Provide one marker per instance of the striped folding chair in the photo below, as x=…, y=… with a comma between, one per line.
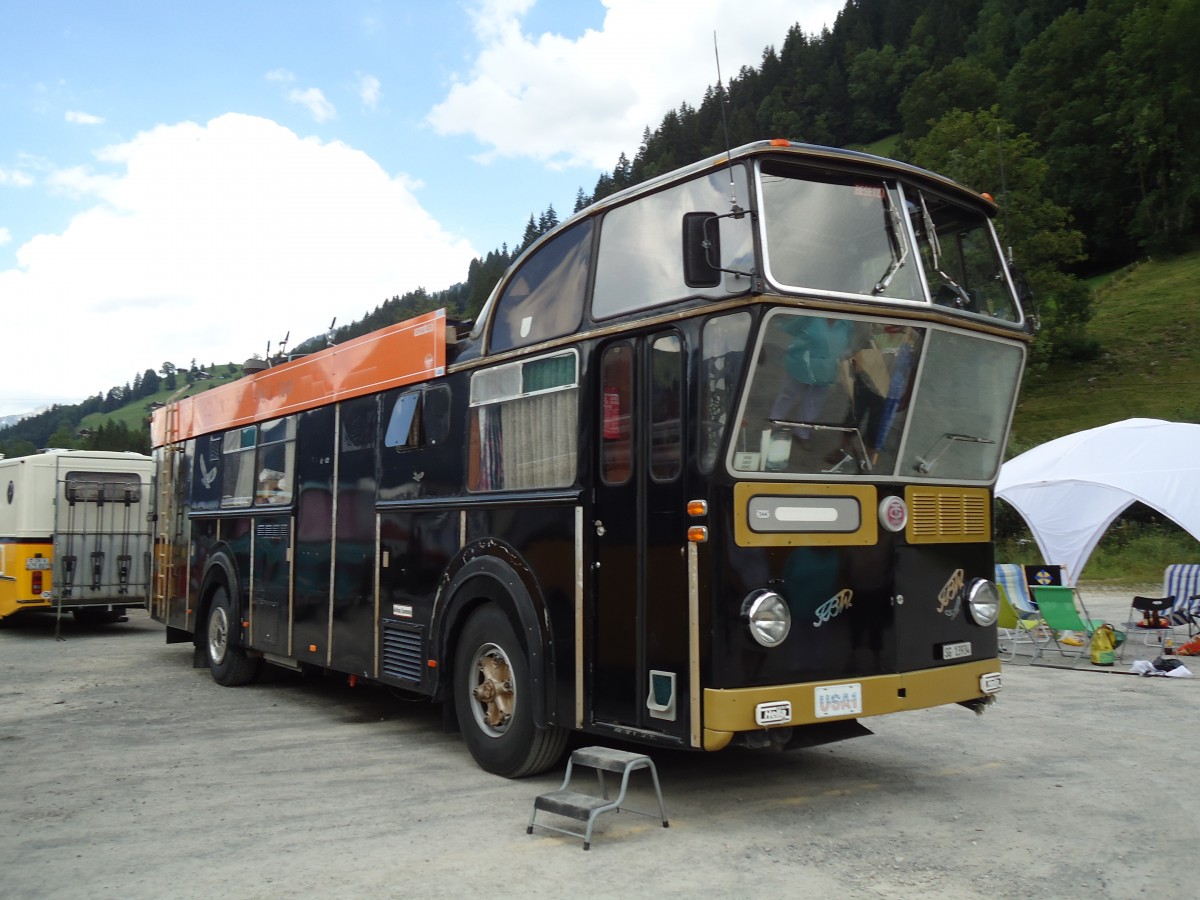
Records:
x=1181, y=581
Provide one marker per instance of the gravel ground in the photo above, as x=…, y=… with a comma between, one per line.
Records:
x=128, y=774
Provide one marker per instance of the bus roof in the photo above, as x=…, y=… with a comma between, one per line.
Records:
x=400, y=354
x=815, y=154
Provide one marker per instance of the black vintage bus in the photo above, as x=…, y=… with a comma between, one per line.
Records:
x=712, y=466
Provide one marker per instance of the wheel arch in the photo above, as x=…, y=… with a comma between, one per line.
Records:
x=506, y=581
x=219, y=569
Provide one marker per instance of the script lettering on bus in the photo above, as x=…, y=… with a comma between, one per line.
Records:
x=834, y=606
x=423, y=329
x=951, y=590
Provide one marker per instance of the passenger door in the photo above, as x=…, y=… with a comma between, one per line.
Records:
x=639, y=601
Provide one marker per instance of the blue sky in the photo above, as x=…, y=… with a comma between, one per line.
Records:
x=187, y=181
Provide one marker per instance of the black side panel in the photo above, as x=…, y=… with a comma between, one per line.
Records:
x=416, y=548
x=269, y=603
x=314, y=535
x=352, y=640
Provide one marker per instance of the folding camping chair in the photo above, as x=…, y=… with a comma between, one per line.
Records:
x=1018, y=627
x=1060, y=608
x=1149, y=615
x=1011, y=577
x=1182, y=582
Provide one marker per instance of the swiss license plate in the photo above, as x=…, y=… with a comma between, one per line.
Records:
x=837, y=700
x=37, y=564
x=957, y=650
x=777, y=712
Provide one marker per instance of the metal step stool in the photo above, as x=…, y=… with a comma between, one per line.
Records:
x=586, y=807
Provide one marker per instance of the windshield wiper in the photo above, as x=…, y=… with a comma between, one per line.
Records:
x=925, y=464
x=962, y=300
x=898, y=247
x=863, y=461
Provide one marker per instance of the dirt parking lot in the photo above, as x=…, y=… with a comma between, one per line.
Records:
x=126, y=773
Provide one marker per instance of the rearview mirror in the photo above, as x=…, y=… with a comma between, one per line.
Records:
x=701, y=249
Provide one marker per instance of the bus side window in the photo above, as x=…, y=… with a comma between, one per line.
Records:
x=545, y=297
x=722, y=346
x=523, y=431
x=436, y=414
x=616, y=399
x=419, y=419
x=276, y=462
x=237, y=482
x=404, y=424
x=666, y=408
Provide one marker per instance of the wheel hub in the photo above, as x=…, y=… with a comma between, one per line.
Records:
x=218, y=636
x=495, y=689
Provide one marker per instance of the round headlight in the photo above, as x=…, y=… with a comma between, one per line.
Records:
x=983, y=602
x=767, y=616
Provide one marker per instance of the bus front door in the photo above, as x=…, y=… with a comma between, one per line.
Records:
x=638, y=605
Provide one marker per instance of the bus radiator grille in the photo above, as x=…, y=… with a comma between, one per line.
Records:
x=948, y=515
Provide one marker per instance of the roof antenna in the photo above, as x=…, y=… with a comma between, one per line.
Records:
x=737, y=210
x=1004, y=193
x=283, y=344
x=329, y=333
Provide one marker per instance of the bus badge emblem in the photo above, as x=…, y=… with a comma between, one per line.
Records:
x=951, y=594
x=834, y=606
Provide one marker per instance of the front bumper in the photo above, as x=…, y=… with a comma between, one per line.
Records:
x=729, y=711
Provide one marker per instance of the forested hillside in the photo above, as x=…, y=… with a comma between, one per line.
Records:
x=1081, y=118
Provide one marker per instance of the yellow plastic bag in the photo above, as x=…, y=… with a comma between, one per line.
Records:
x=1104, y=643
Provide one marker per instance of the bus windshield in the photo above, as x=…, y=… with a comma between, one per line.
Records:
x=853, y=234
x=835, y=395
x=837, y=233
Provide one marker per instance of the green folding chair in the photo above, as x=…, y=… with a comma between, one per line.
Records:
x=1060, y=608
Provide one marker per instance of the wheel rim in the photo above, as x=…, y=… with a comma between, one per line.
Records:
x=218, y=634
x=494, y=691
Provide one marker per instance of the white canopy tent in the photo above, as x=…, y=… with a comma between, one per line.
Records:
x=1069, y=490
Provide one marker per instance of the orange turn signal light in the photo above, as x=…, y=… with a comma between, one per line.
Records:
x=697, y=534
x=697, y=508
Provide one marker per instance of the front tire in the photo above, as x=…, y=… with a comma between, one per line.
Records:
x=492, y=685
x=230, y=665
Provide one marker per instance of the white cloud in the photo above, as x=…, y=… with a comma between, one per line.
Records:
x=280, y=75
x=82, y=118
x=584, y=101
x=206, y=242
x=311, y=98
x=369, y=90
x=15, y=178
x=5, y=236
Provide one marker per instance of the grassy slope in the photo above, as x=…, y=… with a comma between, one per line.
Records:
x=135, y=415
x=1146, y=321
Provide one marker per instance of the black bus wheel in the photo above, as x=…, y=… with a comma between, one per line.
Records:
x=491, y=698
x=230, y=665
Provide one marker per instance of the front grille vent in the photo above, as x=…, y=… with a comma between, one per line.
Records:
x=402, y=652
x=948, y=515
